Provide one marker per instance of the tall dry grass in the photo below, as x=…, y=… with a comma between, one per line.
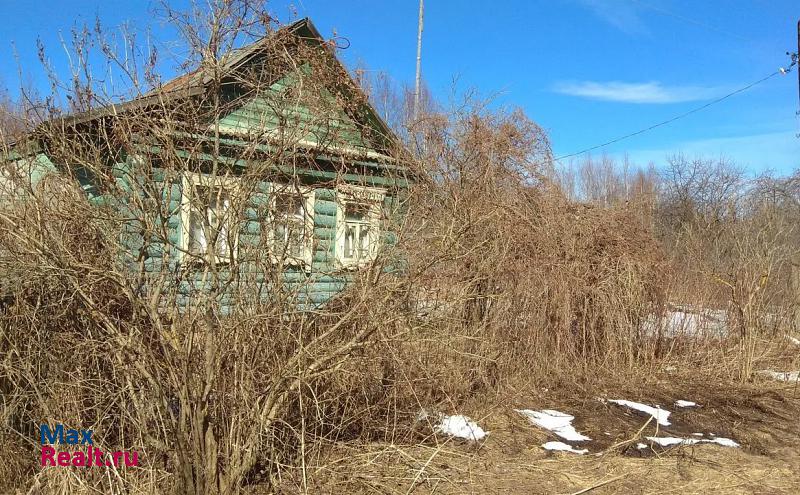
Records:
x=496, y=282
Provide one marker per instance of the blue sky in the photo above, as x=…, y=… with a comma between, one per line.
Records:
x=586, y=70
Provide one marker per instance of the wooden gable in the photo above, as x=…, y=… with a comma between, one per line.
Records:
x=273, y=95
x=316, y=120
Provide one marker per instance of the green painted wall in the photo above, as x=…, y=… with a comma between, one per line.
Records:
x=309, y=287
x=153, y=253
x=279, y=107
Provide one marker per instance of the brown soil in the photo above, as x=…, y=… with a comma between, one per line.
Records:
x=762, y=417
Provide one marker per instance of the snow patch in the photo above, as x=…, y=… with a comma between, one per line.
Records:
x=660, y=415
x=784, y=376
x=460, y=427
x=555, y=421
x=685, y=403
x=641, y=446
x=670, y=441
x=687, y=320
x=725, y=442
x=561, y=446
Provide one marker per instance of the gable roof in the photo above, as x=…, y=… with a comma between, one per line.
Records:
x=195, y=83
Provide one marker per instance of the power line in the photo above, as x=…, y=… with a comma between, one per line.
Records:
x=689, y=20
x=677, y=117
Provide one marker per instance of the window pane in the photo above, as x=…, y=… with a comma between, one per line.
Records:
x=218, y=205
x=350, y=240
x=289, y=205
x=297, y=240
x=358, y=223
x=217, y=210
x=280, y=236
x=197, y=235
x=363, y=242
x=222, y=241
x=289, y=225
x=289, y=239
x=208, y=221
x=356, y=212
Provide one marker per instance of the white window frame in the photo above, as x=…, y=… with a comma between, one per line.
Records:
x=189, y=181
x=308, y=194
x=372, y=197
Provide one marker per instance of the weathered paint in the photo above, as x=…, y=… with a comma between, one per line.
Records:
x=350, y=157
x=310, y=286
x=259, y=114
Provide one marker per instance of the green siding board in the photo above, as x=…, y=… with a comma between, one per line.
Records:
x=327, y=287
x=250, y=241
x=273, y=110
x=390, y=238
x=324, y=207
x=310, y=288
x=324, y=233
x=372, y=180
x=321, y=256
x=325, y=246
x=252, y=227
x=325, y=221
x=317, y=298
x=325, y=194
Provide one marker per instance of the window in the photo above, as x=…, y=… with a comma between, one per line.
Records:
x=291, y=224
x=208, y=219
x=358, y=224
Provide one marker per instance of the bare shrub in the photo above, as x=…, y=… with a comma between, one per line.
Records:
x=536, y=283
x=217, y=369
x=221, y=370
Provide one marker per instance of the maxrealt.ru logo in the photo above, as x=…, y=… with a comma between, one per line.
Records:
x=81, y=438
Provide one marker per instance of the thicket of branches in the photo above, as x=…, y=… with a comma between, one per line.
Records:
x=497, y=279
x=732, y=239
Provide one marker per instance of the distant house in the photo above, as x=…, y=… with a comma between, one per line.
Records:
x=321, y=214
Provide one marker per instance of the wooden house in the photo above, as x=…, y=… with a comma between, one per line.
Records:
x=269, y=163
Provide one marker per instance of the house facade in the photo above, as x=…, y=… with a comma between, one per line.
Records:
x=286, y=181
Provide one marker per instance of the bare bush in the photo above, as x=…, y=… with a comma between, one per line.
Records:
x=223, y=368
x=216, y=368
x=536, y=282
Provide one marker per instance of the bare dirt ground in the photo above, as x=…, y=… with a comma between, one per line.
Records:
x=762, y=417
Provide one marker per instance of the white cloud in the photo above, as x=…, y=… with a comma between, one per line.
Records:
x=645, y=92
x=621, y=14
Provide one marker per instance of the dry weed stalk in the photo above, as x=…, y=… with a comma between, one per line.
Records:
x=215, y=371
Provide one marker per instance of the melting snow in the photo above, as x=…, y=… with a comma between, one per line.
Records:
x=660, y=415
x=460, y=427
x=555, y=421
x=641, y=446
x=688, y=320
x=685, y=403
x=725, y=442
x=670, y=441
x=561, y=446
x=784, y=376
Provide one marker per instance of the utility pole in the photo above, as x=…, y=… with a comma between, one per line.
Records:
x=795, y=270
x=419, y=58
